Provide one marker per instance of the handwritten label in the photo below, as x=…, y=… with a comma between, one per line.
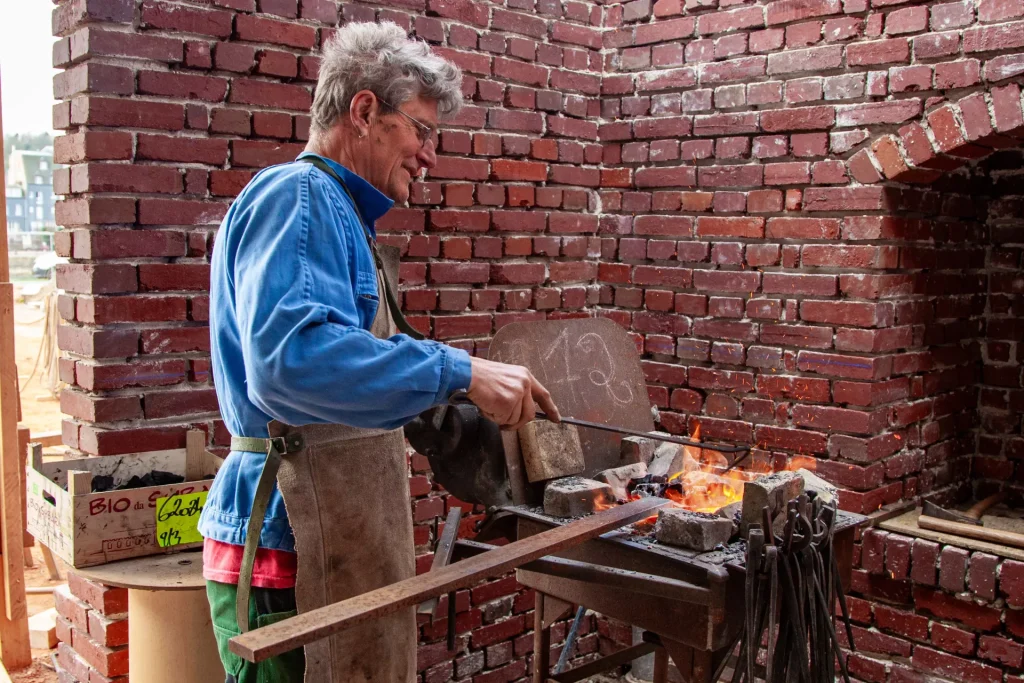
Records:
x=177, y=519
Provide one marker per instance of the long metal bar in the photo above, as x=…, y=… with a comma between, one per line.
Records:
x=461, y=398
x=443, y=554
x=649, y=435
x=604, y=664
x=283, y=636
x=638, y=582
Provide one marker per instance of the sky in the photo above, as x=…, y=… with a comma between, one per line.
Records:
x=26, y=71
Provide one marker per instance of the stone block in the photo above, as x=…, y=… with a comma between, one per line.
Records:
x=575, y=496
x=671, y=458
x=693, y=530
x=634, y=449
x=618, y=478
x=550, y=450
x=824, y=490
x=773, y=491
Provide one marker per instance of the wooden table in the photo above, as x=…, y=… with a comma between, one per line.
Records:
x=170, y=633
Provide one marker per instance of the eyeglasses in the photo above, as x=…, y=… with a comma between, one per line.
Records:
x=425, y=133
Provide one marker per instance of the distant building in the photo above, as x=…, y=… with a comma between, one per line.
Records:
x=30, y=198
x=17, y=220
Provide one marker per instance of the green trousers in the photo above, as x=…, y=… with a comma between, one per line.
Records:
x=266, y=606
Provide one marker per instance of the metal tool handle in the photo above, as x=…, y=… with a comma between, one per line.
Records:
x=462, y=398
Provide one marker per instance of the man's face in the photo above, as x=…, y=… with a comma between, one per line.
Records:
x=400, y=153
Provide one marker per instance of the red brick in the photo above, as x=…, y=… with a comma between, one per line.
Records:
x=800, y=118
x=924, y=561
x=173, y=17
x=952, y=640
x=1011, y=582
x=119, y=113
x=982, y=575
x=1002, y=651
x=109, y=601
x=948, y=666
x=108, y=632
x=966, y=612
x=787, y=11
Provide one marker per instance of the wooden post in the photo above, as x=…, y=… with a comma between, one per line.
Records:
x=661, y=665
x=541, y=642
x=14, y=640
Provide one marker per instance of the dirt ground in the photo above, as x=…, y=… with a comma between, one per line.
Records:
x=40, y=409
x=40, y=413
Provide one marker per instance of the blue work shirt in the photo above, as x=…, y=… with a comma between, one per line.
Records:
x=293, y=293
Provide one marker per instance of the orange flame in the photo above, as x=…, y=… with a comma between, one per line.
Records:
x=706, y=486
x=798, y=462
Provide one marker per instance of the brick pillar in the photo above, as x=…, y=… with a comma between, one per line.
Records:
x=92, y=627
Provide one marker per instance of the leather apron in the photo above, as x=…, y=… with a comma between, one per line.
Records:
x=347, y=496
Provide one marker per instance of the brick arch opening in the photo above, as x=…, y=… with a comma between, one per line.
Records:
x=952, y=182
x=945, y=138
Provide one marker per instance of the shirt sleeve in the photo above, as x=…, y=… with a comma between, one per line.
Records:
x=307, y=359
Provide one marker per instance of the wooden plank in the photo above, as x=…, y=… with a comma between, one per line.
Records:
x=51, y=563
x=443, y=553
x=516, y=469
x=541, y=641
x=195, y=455
x=79, y=483
x=48, y=439
x=24, y=438
x=554, y=609
x=970, y=531
x=907, y=525
x=625, y=579
x=14, y=640
x=262, y=643
x=605, y=663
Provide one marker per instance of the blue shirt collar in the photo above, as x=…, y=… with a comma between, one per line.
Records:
x=371, y=202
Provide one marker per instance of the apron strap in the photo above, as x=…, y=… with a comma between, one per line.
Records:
x=274, y=448
x=396, y=311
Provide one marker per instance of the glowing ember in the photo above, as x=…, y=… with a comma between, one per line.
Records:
x=702, y=485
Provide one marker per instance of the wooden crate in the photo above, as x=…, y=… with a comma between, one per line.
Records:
x=86, y=529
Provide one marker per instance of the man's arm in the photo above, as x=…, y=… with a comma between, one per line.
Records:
x=306, y=358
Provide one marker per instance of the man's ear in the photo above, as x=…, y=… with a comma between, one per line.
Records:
x=362, y=111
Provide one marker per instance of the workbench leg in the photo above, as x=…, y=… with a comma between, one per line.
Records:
x=661, y=665
x=541, y=642
x=51, y=564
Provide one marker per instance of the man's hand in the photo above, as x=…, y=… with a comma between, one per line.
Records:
x=506, y=394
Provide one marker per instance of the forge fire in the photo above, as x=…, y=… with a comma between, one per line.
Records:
x=711, y=502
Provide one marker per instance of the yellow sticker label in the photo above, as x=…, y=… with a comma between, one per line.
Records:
x=177, y=519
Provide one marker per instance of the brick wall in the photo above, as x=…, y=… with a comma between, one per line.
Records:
x=805, y=211
x=936, y=610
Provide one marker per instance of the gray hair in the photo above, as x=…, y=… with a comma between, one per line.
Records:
x=381, y=58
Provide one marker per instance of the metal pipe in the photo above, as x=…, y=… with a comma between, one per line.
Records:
x=649, y=435
x=570, y=641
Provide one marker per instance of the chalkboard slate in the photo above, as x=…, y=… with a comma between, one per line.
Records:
x=592, y=369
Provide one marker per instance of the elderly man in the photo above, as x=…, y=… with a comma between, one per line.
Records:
x=312, y=378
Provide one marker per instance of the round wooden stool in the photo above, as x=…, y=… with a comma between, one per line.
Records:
x=170, y=633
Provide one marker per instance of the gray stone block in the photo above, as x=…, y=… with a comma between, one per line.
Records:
x=634, y=449
x=812, y=482
x=618, y=478
x=694, y=530
x=773, y=491
x=575, y=496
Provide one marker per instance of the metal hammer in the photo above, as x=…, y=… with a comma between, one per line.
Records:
x=971, y=516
